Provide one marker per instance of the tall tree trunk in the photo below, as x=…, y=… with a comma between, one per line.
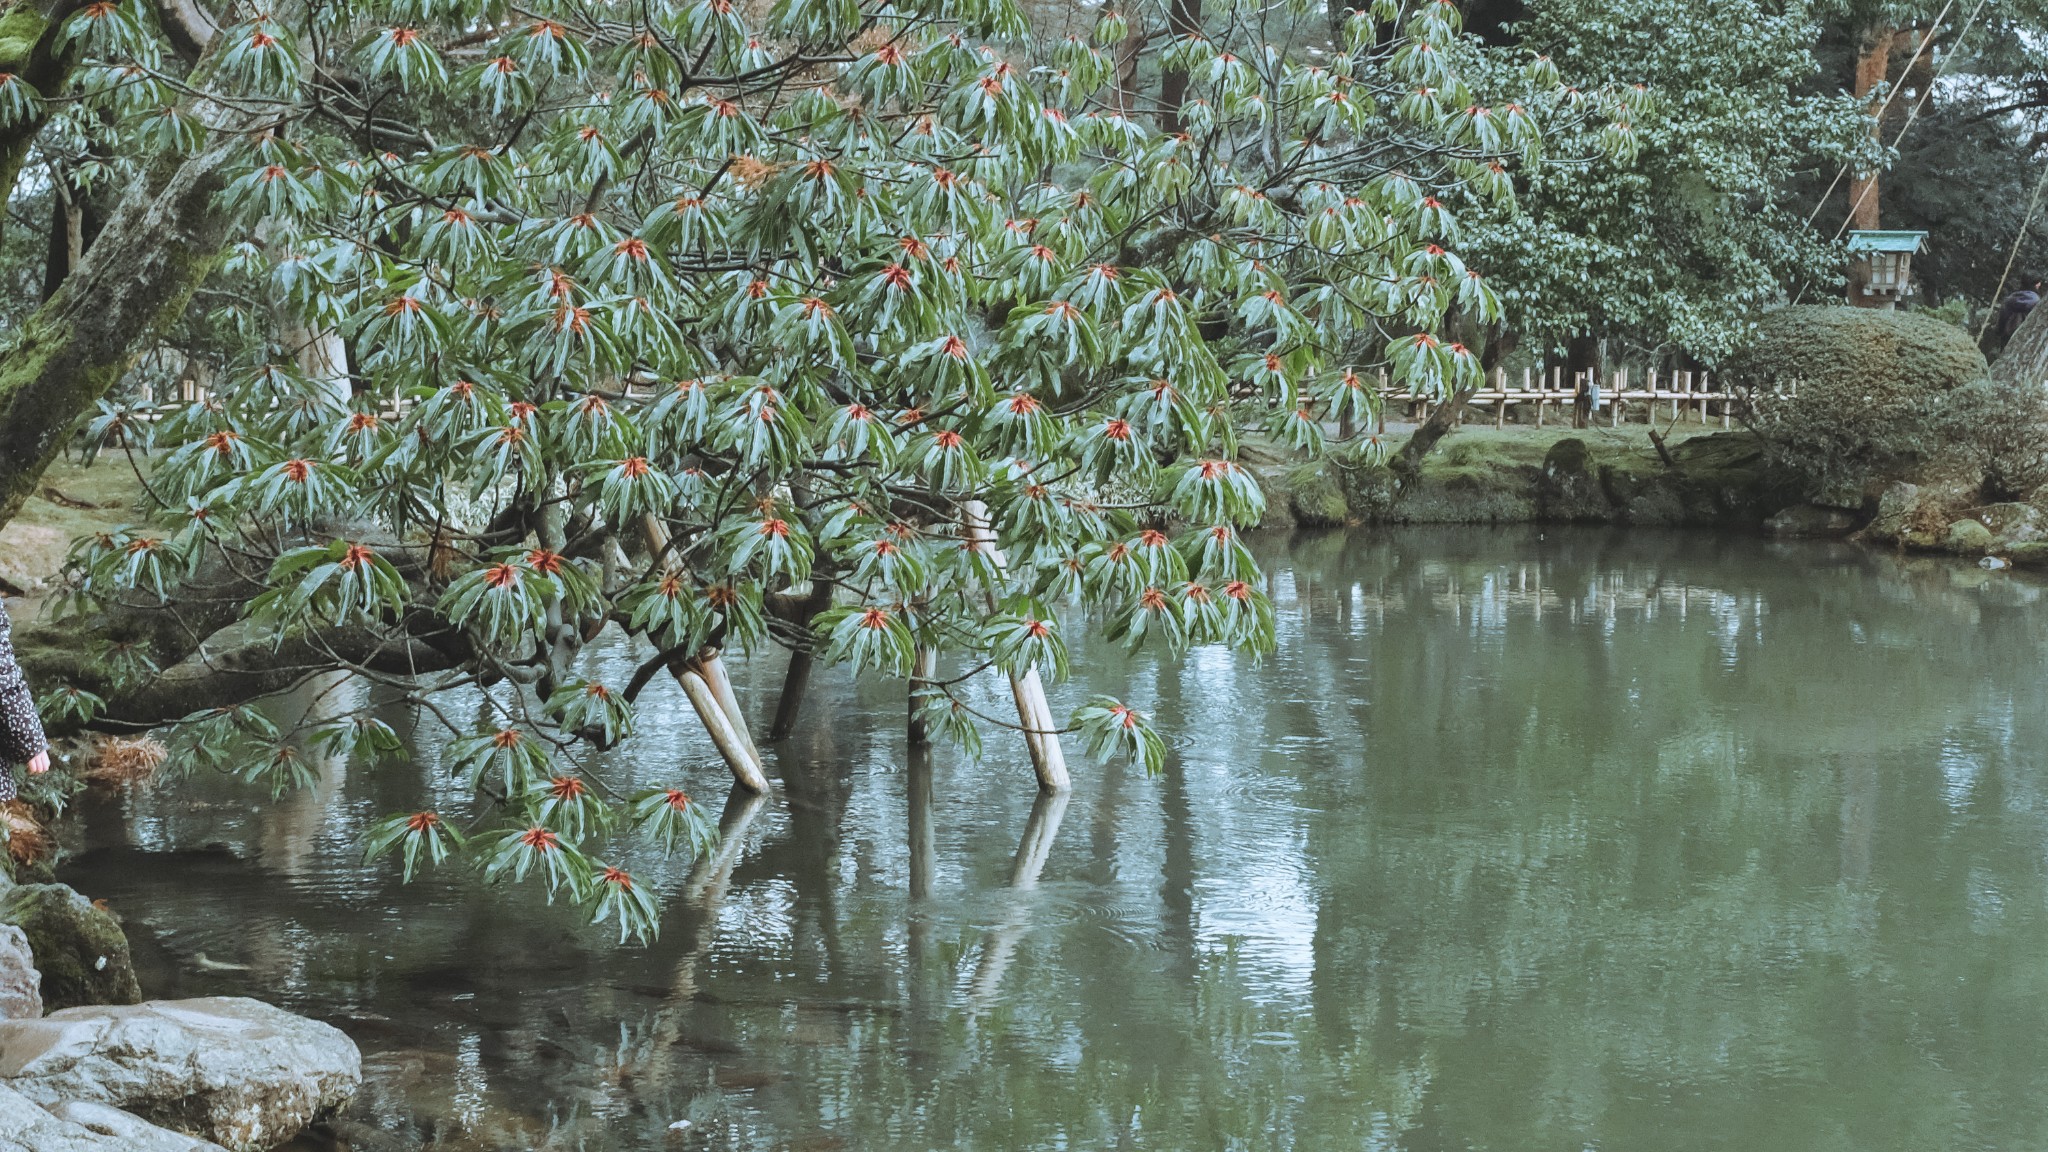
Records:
x=1183, y=19
x=161, y=242
x=1127, y=55
x=1873, y=67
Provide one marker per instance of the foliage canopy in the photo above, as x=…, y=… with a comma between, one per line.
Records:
x=667, y=316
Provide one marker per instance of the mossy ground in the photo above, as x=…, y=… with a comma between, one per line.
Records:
x=34, y=542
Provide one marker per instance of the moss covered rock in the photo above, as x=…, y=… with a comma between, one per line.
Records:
x=78, y=947
x=1969, y=538
x=1849, y=397
x=2031, y=554
x=1569, y=487
x=1314, y=496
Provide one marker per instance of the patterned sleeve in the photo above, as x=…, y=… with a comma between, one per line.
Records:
x=21, y=730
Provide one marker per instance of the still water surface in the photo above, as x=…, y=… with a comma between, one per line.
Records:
x=1522, y=841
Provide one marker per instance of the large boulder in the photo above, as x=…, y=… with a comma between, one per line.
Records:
x=79, y=948
x=75, y=1126
x=21, y=986
x=1569, y=488
x=235, y=1071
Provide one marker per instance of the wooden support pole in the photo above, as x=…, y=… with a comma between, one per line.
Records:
x=1614, y=419
x=723, y=720
x=923, y=671
x=1034, y=715
x=712, y=667
x=712, y=713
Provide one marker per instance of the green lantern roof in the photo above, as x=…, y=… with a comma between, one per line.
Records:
x=1908, y=242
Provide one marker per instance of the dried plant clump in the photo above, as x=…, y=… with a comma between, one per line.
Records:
x=126, y=760
x=27, y=840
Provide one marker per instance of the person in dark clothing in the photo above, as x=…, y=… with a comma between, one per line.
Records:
x=21, y=731
x=2016, y=307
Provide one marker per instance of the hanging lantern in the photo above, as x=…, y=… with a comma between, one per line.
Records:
x=1881, y=274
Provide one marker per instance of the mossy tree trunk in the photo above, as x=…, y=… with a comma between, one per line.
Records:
x=139, y=275
x=2025, y=359
x=158, y=243
x=28, y=50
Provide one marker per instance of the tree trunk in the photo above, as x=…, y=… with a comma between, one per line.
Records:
x=67, y=238
x=1426, y=434
x=1873, y=67
x=1184, y=18
x=924, y=843
x=322, y=356
x=797, y=677
x=159, y=245
x=2025, y=359
x=712, y=667
x=28, y=50
x=1409, y=459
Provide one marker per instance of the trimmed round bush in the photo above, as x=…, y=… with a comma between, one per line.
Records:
x=1850, y=396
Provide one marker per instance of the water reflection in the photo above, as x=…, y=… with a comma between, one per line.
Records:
x=1521, y=841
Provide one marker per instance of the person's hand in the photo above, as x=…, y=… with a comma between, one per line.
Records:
x=39, y=763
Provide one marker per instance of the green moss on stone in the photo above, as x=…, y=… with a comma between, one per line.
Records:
x=78, y=947
x=1315, y=497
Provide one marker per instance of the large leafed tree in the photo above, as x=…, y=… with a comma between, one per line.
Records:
x=907, y=336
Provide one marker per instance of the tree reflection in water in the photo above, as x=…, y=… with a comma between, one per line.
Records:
x=1521, y=841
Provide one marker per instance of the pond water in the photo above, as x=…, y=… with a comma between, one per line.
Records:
x=1523, y=840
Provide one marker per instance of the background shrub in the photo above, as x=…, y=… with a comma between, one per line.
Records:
x=1878, y=394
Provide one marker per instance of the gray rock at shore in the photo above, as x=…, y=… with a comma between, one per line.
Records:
x=80, y=949
x=1810, y=522
x=75, y=1126
x=21, y=986
x=236, y=1071
x=1969, y=538
x=2013, y=522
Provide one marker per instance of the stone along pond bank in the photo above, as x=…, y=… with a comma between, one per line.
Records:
x=1711, y=479
x=217, y=1074
x=1522, y=475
